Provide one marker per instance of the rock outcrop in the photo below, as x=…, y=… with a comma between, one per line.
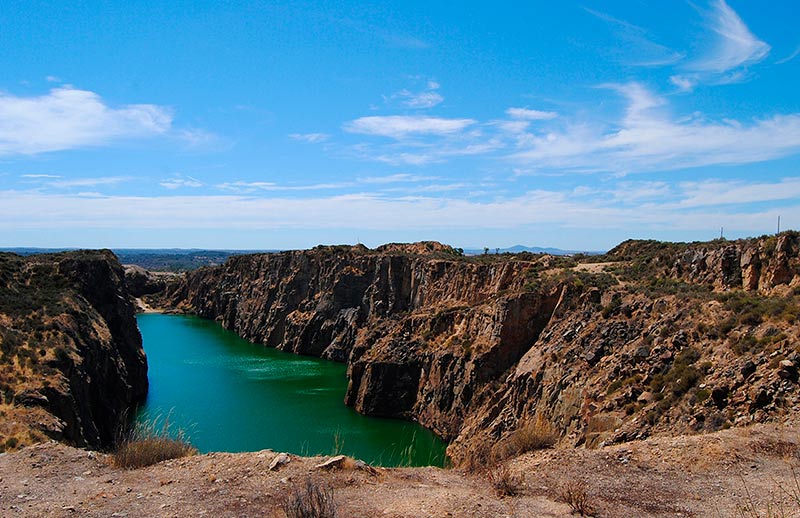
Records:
x=72, y=361
x=651, y=338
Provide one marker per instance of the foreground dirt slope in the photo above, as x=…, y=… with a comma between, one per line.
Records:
x=701, y=475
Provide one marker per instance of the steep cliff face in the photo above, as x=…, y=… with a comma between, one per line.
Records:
x=72, y=359
x=693, y=338
x=651, y=338
x=422, y=330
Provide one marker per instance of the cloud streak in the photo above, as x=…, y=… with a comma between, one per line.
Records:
x=402, y=126
x=530, y=115
x=631, y=206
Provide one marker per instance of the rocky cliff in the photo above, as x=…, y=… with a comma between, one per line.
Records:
x=72, y=364
x=651, y=338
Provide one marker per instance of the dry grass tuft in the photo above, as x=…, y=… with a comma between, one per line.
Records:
x=147, y=444
x=576, y=496
x=309, y=501
x=538, y=434
x=505, y=482
x=478, y=457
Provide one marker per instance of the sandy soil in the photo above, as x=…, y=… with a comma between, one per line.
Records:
x=712, y=475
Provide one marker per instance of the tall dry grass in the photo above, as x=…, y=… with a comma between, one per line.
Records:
x=149, y=443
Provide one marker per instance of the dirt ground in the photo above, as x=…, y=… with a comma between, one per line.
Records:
x=744, y=472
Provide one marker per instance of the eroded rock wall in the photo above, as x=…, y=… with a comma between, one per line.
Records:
x=656, y=338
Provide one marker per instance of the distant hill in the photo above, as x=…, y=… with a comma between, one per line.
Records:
x=187, y=259
x=516, y=249
x=157, y=259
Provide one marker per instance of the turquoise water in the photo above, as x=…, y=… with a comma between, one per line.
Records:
x=228, y=394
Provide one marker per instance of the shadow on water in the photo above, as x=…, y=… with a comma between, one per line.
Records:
x=228, y=394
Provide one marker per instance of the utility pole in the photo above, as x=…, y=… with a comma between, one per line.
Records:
x=720, y=232
x=779, y=224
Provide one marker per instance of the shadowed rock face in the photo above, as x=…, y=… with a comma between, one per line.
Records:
x=667, y=338
x=70, y=317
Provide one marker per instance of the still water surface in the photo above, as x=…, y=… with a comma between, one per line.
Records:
x=231, y=395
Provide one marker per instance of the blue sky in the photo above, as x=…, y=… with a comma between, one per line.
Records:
x=289, y=124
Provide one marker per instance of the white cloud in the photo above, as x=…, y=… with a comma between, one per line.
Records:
x=631, y=206
x=530, y=115
x=196, y=137
x=313, y=138
x=181, y=181
x=250, y=187
x=88, y=182
x=789, y=57
x=684, y=83
x=34, y=176
x=648, y=139
x=401, y=126
x=719, y=192
x=734, y=46
x=68, y=118
x=397, y=178
x=421, y=99
x=427, y=98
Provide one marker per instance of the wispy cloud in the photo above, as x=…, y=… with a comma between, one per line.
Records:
x=250, y=187
x=397, y=178
x=685, y=84
x=530, y=115
x=733, y=48
x=631, y=206
x=720, y=192
x=427, y=98
x=641, y=50
x=313, y=138
x=789, y=57
x=68, y=118
x=88, y=182
x=647, y=138
x=401, y=126
x=35, y=176
x=194, y=137
x=179, y=181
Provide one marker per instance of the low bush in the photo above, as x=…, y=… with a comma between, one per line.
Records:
x=505, y=482
x=576, y=496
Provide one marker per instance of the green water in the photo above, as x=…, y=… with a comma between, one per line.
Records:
x=231, y=395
